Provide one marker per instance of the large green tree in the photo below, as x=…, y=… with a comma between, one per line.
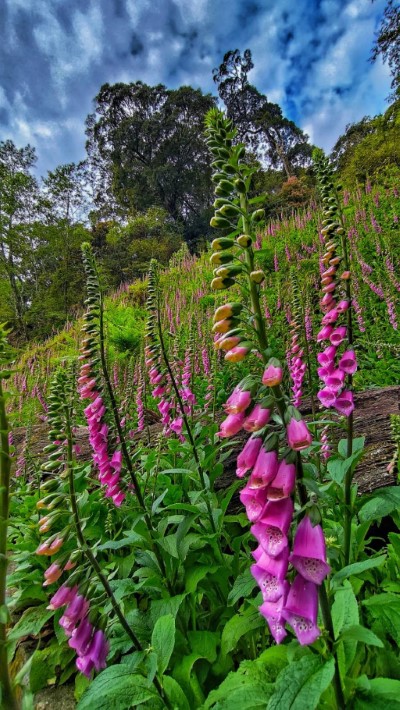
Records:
x=149, y=139
x=387, y=43
x=260, y=123
x=20, y=206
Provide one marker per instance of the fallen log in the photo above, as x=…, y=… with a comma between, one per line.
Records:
x=372, y=420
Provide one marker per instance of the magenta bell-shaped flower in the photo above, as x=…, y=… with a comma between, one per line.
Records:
x=324, y=333
x=271, y=530
x=265, y=469
x=309, y=552
x=301, y=610
x=344, y=403
x=275, y=565
x=273, y=373
x=348, y=362
x=272, y=611
x=238, y=402
x=95, y=656
x=338, y=335
x=299, y=436
x=284, y=481
x=81, y=637
x=327, y=356
x=248, y=456
x=254, y=500
x=330, y=317
x=327, y=397
x=271, y=586
x=231, y=425
x=257, y=418
x=64, y=595
x=334, y=381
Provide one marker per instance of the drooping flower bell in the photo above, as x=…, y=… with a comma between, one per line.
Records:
x=284, y=482
x=248, y=456
x=240, y=398
x=231, y=425
x=272, y=611
x=258, y=417
x=273, y=373
x=298, y=434
x=301, y=610
x=309, y=552
x=271, y=530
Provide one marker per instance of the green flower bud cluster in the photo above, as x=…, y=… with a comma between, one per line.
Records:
x=152, y=349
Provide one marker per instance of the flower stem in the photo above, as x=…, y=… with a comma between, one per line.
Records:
x=7, y=693
x=328, y=623
x=90, y=556
x=124, y=448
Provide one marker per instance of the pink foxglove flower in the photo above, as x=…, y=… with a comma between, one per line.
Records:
x=272, y=374
x=63, y=596
x=231, y=425
x=257, y=419
x=272, y=611
x=81, y=636
x=271, y=530
x=265, y=469
x=324, y=333
x=52, y=574
x=284, y=481
x=254, y=500
x=301, y=610
x=237, y=353
x=344, y=403
x=348, y=362
x=248, y=456
x=299, y=436
x=309, y=552
x=327, y=397
x=338, y=335
x=239, y=401
x=95, y=655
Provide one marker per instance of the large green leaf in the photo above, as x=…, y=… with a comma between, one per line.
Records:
x=31, y=622
x=204, y=643
x=242, y=587
x=382, y=694
x=345, y=614
x=195, y=574
x=300, y=685
x=380, y=504
x=175, y=694
x=247, y=689
x=117, y=688
x=386, y=610
x=360, y=633
x=163, y=641
x=358, y=568
x=238, y=626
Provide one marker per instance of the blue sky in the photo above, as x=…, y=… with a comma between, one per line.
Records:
x=310, y=56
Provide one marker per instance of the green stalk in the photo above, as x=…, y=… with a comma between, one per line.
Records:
x=348, y=512
x=328, y=623
x=89, y=554
x=186, y=421
x=124, y=447
x=7, y=693
x=278, y=395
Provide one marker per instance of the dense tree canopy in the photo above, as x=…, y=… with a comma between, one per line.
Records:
x=260, y=123
x=387, y=43
x=150, y=139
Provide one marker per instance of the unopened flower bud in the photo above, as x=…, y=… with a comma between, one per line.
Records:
x=244, y=240
x=257, y=276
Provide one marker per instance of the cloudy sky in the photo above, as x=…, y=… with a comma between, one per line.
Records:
x=310, y=56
